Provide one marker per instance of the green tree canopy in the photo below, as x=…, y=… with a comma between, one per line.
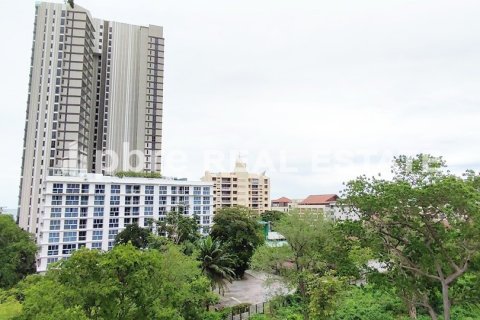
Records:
x=179, y=228
x=124, y=283
x=427, y=219
x=134, y=234
x=17, y=252
x=238, y=229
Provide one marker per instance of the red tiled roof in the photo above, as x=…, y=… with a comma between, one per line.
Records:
x=320, y=199
x=282, y=200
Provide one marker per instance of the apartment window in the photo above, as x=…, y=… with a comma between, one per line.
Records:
x=97, y=245
x=148, y=211
x=162, y=200
x=51, y=260
x=57, y=188
x=97, y=223
x=85, y=188
x=162, y=210
x=71, y=212
x=99, y=200
x=52, y=250
x=206, y=210
x=162, y=189
x=197, y=210
x=206, y=190
x=70, y=236
x=148, y=189
x=72, y=200
x=98, y=212
x=56, y=200
x=54, y=224
x=132, y=189
x=73, y=188
x=136, y=200
x=69, y=248
x=113, y=223
x=135, y=211
x=99, y=189
x=148, y=200
x=115, y=188
x=55, y=212
x=206, y=219
x=206, y=200
x=112, y=234
x=197, y=200
x=70, y=224
x=84, y=200
x=174, y=190
x=53, y=237
x=97, y=235
x=197, y=190
x=114, y=212
x=83, y=212
x=128, y=199
x=114, y=200
x=173, y=200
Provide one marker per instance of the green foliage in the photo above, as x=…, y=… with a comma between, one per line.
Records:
x=324, y=292
x=17, y=252
x=271, y=259
x=179, y=228
x=368, y=304
x=124, y=283
x=9, y=306
x=272, y=216
x=238, y=229
x=215, y=262
x=138, y=174
x=427, y=219
x=134, y=234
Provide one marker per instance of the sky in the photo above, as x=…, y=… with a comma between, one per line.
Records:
x=314, y=93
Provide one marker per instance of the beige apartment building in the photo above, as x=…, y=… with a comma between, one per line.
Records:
x=240, y=188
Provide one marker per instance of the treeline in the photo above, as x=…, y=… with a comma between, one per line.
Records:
x=171, y=273
x=412, y=253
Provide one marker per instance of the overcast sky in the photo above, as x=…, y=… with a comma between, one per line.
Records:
x=313, y=92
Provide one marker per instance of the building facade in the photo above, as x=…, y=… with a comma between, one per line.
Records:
x=89, y=210
x=94, y=100
x=281, y=204
x=326, y=203
x=240, y=188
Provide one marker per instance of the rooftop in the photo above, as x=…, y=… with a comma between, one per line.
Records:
x=319, y=199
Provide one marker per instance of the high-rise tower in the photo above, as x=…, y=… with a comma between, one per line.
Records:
x=94, y=100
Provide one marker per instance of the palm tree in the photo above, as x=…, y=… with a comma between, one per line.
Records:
x=215, y=263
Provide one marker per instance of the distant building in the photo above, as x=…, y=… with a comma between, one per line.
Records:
x=326, y=203
x=89, y=210
x=281, y=204
x=240, y=188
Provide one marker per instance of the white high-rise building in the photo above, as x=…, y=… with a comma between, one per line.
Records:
x=94, y=100
x=89, y=210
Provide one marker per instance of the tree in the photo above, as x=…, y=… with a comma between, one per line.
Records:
x=215, y=263
x=272, y=216
x=124, y=283
x=179, y=228
x=308, y=236
x=134, y=234
x=428, y=219
x=17, y=252
x=238, y=229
